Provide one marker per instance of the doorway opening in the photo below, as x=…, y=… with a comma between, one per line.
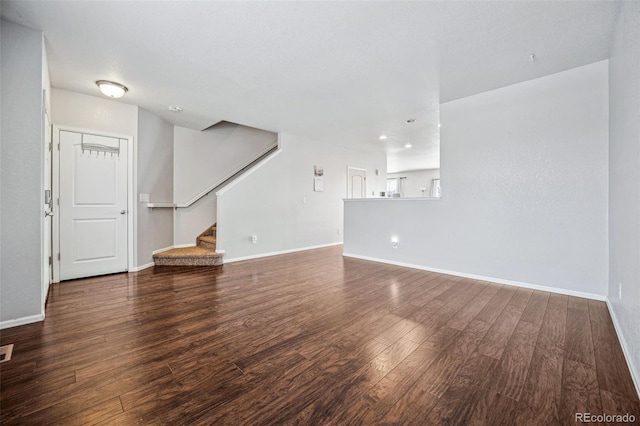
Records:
x=356, y=182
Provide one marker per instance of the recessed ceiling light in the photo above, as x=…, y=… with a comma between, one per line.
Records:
x=439, y=125
x=175, y=108
x=408, y=145
x=411, y=120
x=383, y=137
x=111, y=88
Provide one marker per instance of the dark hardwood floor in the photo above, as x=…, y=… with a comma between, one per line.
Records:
x=311, y=338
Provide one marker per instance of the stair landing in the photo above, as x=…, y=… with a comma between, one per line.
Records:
x=189, y=256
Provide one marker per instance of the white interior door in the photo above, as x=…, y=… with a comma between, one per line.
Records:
x=356, y=182
x=93, y=205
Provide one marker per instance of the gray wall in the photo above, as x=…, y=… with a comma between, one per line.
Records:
x=202, y=158
x=21, y=174
x=624, y=181
x=277, y=203
x=155, y=177
x=525, y=189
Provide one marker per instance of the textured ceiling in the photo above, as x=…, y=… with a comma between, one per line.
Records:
x=338, y=72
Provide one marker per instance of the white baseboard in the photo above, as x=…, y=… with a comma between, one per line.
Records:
x=141, y=267
x=480, y=277
x=162, y=249
x=275, y=253
x=21, y=321
x=150, y=264
x=182, y=246
x=635, y=373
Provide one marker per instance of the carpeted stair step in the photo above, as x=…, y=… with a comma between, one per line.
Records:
x=210, y=231
x=207, y=241
x=189, y=256
x=203, y=254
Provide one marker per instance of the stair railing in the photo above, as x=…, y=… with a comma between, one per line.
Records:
x=220, y=183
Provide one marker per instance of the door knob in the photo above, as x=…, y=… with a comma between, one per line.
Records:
x=122, y=212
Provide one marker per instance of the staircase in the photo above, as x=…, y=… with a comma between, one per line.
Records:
x=203, y=254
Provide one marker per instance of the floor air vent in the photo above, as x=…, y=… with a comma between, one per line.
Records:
x=5, y=353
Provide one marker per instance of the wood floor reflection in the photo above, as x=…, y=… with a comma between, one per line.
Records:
x=311, y=338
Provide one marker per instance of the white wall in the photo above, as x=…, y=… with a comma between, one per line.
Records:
x=277, y=202
x=624, y=182
x=525, y=198
x=416, y=179
x=155, y=178
x=46, y=81
x=93, y=113
x=203, y=158
x=21, y=175
x=190, y=222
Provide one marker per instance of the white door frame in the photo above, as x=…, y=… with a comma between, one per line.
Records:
x=349, y=181
x=48, y=167
x=131, y=205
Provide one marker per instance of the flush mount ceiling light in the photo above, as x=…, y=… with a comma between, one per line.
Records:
x=382, y=137
x=111, y=89
x=408, y=145
x=175, y=108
